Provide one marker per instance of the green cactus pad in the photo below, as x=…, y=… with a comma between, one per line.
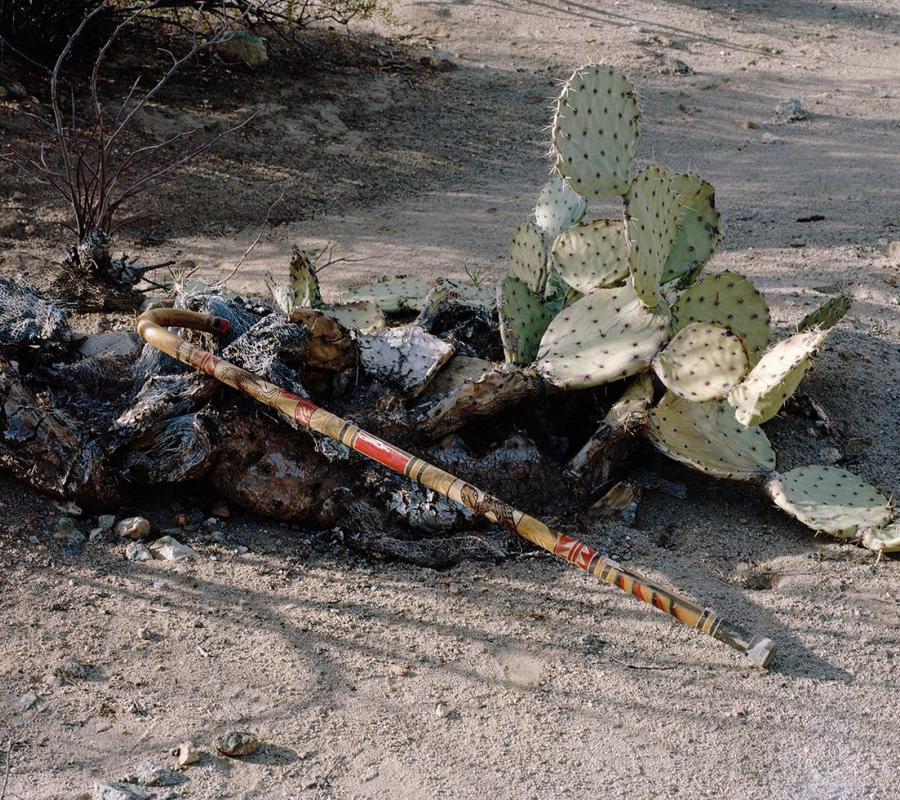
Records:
x=523, y=320
x=481, y=295
x=651, y=216
x=392, y=294
x=606, y=335
x=363, y=315
x=528, y=257
x=558, y=208
x=883, y=540
x=304, y=282
x=697, y=234
x=827, y=315
x=829, y=499
x=775, y=378
x=595, y=131
x=707, y=437
x=729, y=300
x=702, y=362
x=592, y=255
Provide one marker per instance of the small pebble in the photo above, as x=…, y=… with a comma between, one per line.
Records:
x=133, y=527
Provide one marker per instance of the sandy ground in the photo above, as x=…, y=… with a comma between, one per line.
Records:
x=523, y=679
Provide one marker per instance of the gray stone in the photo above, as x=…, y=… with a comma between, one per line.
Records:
x=133, y=527
x=235, y=744
x=135, y=551
x=17, y=89
x=119, y=791
x=28, y=701
x=126, y=344
x=170, y=549
x=65, y=527
x=71, y=668
x=791, y=110
x=150, y=774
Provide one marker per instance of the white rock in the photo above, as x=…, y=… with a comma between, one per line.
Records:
x=126, y=344
x=170, y=549
x=187, y=754
x=150, y=774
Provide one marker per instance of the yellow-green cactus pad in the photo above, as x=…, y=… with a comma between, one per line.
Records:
x=883, y=540
x=702, y=362
x=592, y=255
x=697, y=234
x=595, y=131
x=523, y=320
x=528, y=257
x=303, y=281
x=827, y=315
x=558, y=207
x=651, y=216
x=829, y=499
x=707, y=437
x=392, y=294
x=729, y=300
x=775, y=378
x=606, y=335
x=363, y=315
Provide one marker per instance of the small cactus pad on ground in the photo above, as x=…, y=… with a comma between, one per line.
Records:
x=595, y=131
x=697, y=234
x=528, y=257
x=303, y=281
x=827, y=315
x=729, y=300
x=702, y=362
x=707, y=437
x=606, y=335
x=523, y=320
x=829, y=499
x=592, y=255
x=775, y=378
x=393, y=294
x=363, y=315
x=883, y=540
x=558, y=207
x=651, y=215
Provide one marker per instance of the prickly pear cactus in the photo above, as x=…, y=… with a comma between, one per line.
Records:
x=528, y=257
x=829, y=499
x=303, y=281
x=827, y=315
x=883, y=540
x=523, y=320
x=592, y=255
x=702, y=362
x=467, y=292
x=775, y=378
x=363, y=315
x=651, y=215
x=606, y=335
x=392, y=294
x=558, y=207
x=729, y=300
x=697, y=234
x=595, y=131
x=707, y=437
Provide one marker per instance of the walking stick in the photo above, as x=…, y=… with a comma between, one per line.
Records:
x=151, y=325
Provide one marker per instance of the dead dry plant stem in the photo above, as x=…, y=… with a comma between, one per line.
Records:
x=262, y=230
x=89, y=180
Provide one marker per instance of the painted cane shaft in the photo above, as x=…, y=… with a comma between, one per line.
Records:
x=152, y=325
